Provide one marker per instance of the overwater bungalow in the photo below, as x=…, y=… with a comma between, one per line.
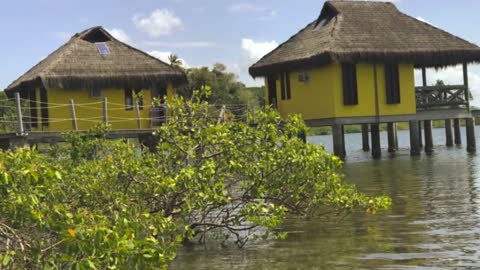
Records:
x=354, y=64
x=92, y=66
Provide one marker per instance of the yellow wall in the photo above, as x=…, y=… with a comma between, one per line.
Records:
x=90, y=109
x=322, y=95
x=312, y=99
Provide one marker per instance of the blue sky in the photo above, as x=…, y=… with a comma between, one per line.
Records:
x=201, y=32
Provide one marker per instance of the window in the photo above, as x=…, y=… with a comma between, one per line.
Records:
x=96, y=93
x=102, y=48
x=349, y=78
x=128, y=99
x=131, y=96
x=392, y=84
x=285, y=86
x=44, y=106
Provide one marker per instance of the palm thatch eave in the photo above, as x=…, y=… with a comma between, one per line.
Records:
x=78, y=65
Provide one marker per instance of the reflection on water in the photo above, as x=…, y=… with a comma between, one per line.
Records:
x=434, y=222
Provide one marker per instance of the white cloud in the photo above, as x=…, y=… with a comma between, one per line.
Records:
x=255, y=50
x=252, y=51
x=159, y=23
x=181, y=44
x=423, y=20
x=271, y=15
x=454, y=76
x=120, y=35
x=163, y=55
x=245, y=7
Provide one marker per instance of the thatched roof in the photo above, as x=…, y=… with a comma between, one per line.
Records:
x=364, y=31
x=78, y=64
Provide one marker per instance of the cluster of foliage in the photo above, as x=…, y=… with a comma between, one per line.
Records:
x=226, y=89
x=94, y=203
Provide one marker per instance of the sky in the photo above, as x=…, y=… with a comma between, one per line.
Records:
x=200, y=32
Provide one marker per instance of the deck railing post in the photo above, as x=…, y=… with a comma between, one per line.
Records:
x=137, y=115
x=18, y=104
x=73, y=115
x=105, y=110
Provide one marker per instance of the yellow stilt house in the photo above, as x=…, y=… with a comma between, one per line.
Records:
x=93, y=67
x=355, y=64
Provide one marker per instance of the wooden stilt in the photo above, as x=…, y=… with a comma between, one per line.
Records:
x=365, y=142
x=338, y=141
x=395, y=130
x=414, y=138
x=420, y=134
x=448, y=132
x=376, y=148
x=428, y=136
x=471, y=142
x=391, y=137
x=343, y=138
x=456, y=129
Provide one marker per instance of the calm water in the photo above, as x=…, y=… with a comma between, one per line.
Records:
x=434, y=222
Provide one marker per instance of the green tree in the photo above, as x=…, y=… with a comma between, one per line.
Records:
x=174, y=60
x=94, y=203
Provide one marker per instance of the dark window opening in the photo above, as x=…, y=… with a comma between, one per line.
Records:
x=96, y=93
x=96, y=36
x=285, y=86
x=44, y=106
x=392, y=84
x=287, y=82
x=139, y=98
x=32, y=96
x=349, y=79
x=132, y=96
x=282, y=86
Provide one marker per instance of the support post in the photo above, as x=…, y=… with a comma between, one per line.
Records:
x=448, y=132
x=420, y=140
x=18, y=105
x=73, y=115
x=414, y=138
x=376, y=148
x=465, y=83
x=338, y=141
x=395, y=129
x=365, y=142
x=105, y=110
x=428, y=136
x=391, y=137
x=343, y=136
x=456, y=129
x=137, y=115
x=471, y=142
